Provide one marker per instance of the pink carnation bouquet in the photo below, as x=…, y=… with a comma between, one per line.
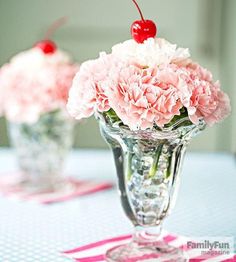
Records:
x=34, y=89
x=150, y=99
x=147, y=85
x=34, y=83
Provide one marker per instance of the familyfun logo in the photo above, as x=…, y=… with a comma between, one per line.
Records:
x=212, y=246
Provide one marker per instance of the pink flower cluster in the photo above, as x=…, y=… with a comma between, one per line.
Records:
x=34, y=83
x=144, y=91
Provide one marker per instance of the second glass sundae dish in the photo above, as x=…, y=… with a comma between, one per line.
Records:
x=34, y=88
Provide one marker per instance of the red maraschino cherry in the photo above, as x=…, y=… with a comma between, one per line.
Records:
x=142, y=29
x=47, y=46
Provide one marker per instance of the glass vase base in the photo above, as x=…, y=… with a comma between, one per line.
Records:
x=155, y=252
x=34, y=187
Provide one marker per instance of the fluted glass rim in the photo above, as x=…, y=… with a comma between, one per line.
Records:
x=157, y=132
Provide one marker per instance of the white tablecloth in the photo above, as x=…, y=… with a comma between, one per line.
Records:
x=30, y=232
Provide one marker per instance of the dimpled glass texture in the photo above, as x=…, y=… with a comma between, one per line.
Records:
x=41, y=148
x=148, y=165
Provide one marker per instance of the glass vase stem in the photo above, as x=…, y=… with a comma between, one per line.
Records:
x=147, y=235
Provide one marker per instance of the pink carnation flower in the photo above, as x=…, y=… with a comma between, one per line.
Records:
x=207, y=100
x=142, y=97
x=87, y=94
x=33, y=84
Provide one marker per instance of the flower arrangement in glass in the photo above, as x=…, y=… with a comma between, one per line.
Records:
x=34, y=88
x=150, y=99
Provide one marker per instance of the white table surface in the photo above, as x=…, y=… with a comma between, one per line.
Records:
x=30, y=232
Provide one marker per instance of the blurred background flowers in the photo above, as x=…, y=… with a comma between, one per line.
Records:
x=207, y=27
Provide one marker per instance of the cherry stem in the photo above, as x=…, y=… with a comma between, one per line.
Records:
x=54, y=26
x=140, y=12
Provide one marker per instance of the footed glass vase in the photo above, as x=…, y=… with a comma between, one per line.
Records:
x=148, y=165
x=41, y=149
